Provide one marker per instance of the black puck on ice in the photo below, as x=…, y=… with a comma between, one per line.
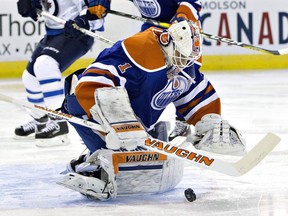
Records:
x=190, y=195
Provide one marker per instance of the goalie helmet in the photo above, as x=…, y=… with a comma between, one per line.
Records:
x=183, y=45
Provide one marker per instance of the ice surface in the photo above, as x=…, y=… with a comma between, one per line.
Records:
x=256, y=102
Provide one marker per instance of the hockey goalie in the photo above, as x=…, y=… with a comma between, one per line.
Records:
x=126, y=90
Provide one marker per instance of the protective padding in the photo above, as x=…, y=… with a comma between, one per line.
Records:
x=144, y=172
x=48, y=74
x=114, y=109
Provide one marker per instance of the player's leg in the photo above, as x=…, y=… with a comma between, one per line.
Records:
x=34, y=96
x=48, y=67
x=91, y=138
x=48, y=74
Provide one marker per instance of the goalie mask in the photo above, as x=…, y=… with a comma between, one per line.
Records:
x=183, y=45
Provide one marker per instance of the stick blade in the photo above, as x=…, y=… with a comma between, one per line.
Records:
x=257, y=154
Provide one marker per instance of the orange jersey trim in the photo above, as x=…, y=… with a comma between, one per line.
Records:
x=213, y=107
x=84, y=91
x=185, y=12
x=195, y=101
x=85, y=94
x=144, y=50
x=102, y=73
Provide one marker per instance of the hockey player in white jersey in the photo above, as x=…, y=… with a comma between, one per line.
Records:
x=56, y=51
x=126, y=90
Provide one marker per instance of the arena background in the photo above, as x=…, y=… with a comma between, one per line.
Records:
x=245, y=21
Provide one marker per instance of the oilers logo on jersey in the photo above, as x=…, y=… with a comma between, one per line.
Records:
x=150, y=8
x=173, y=89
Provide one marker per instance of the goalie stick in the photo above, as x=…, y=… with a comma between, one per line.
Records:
x=195, y=157
x=210, y=36
x=244, y=45
x=84, y=31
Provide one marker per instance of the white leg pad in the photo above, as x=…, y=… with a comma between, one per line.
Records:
x=125, y=173
x=144, y=172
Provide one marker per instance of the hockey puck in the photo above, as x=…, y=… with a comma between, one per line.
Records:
x=190, y=195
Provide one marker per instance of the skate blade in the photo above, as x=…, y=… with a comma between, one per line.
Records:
x=30, y=137
x=62, y=140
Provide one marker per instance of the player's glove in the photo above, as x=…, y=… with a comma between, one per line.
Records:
x=28, y=8
x=71, y=32
x=214, y=134
x=97, y=9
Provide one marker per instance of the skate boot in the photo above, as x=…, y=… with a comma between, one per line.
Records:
x=180, y=129
x=92, y=175
x=30, y=128
x=53, y=134
x=81, y=165
x=73, y=164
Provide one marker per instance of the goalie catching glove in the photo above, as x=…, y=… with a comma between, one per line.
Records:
x=213, y=134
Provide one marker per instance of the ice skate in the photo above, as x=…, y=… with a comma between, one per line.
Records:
x=28, y=130
x=80, y=165
x=53, y=134
x=180, y=129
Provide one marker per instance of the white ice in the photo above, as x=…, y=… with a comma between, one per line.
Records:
x=255, y=102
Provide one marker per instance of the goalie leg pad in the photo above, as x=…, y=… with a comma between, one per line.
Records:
x=122, y=173
x=144, y=172
x=114, y=110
